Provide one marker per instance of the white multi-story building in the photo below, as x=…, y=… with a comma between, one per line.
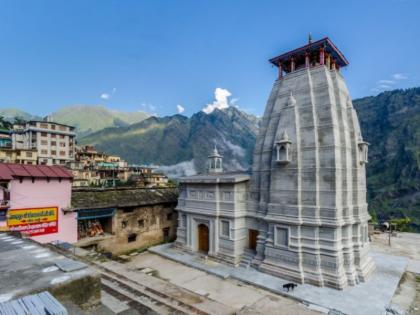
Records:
x=54, y=142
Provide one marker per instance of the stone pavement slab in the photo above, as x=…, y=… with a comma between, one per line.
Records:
x=367, y=298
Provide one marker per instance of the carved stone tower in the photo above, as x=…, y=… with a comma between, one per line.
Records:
x=215, y=162
x=308, y=189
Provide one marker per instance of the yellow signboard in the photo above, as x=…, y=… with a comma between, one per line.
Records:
x=33, y=221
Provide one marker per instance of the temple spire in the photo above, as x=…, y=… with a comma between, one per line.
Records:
x=310, y=38
x=215, y=161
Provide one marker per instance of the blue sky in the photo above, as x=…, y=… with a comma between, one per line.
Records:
x=155, y=55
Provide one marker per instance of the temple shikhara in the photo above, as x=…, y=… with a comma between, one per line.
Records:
x=302, y=214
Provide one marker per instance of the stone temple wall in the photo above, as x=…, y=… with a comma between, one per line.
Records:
x=311, y=205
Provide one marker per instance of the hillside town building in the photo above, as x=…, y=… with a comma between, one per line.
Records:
x=118, y=220
x=53, y=142
x=33, y=199
x=10, y=155
x=5, y=139
x=303, y=213
x=99, y=169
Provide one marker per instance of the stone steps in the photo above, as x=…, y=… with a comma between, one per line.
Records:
x=163, y=293
x=246, y=259
x=138, y=295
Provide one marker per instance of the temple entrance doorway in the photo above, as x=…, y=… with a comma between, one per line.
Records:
x=253, y=239
x=203, y=238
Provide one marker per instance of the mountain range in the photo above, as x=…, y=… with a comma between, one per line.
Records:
x=390, y=122
x=182, y=143
x=86, y=118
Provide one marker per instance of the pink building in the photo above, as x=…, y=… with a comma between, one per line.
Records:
x=32, y=199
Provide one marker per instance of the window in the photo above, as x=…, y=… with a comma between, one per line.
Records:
x=227, y=195
x=44, y=142
x=140, y=223
x=132, y=237
x=53, y=127
x=62, y=153
x=62, y=128
x=62, y=136
x=54, y=143
x=281, y=236
x=225, y=229
x=124, y=224
x=62, y=144
x=53, y=136
x=53, y=152
x=44, y=151
x=193, y=194
x=363, y=152
x=184, y=220
x=169, y=216
x=43, y=134
x=282, y=149
x=128, y=209
x=44, y=126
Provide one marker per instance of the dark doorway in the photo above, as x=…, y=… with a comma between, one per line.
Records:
x=253, y=234
x=166, y=234
x=203, y=238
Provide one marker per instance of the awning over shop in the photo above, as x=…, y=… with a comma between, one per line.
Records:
x=88, y=214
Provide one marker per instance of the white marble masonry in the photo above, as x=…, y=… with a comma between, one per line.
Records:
x=303, y=214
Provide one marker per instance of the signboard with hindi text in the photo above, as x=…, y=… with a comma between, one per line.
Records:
x=33, y=221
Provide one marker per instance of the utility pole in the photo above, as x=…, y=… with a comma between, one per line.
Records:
x=389, y=236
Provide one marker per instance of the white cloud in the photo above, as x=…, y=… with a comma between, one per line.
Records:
x=234, y=100
x=180, y=109
x=384, y=86
x=235, y=149
x=399, y=76
x=105, y=96
x=149, y=107
x=221, y=100
x=389, y=84
x=386, y=82
x=185, y=168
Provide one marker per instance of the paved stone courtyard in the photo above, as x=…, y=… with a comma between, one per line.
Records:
x=236, y=296
x=367, y=298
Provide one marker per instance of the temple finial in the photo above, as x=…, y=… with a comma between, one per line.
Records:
x=310, y=38
x=215, y=152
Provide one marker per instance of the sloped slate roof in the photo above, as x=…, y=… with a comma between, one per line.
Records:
x=10, y=171
x=94, y=198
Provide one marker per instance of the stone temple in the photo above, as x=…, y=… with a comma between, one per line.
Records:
x=302, y=214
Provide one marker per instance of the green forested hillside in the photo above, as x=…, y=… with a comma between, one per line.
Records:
x=390, y=122
x=89, y=118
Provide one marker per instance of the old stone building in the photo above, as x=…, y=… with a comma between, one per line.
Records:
x=118, y=220
x=305, y=214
